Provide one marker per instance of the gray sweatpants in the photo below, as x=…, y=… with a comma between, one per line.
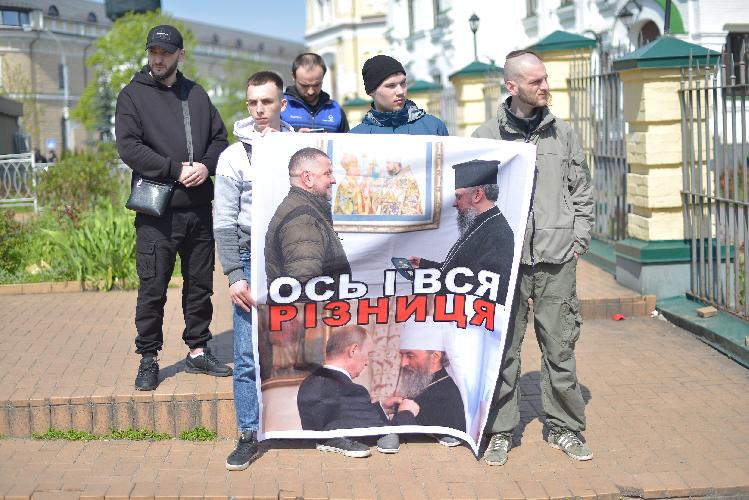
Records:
x=557, y=320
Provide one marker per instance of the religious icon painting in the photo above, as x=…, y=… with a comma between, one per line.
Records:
x=386, y=191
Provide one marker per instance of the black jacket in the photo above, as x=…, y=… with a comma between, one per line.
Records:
x=328, y=400
x=487, y=245
x=150, y=132
x=439, y=404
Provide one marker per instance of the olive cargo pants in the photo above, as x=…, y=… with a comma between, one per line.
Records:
x=557, y=320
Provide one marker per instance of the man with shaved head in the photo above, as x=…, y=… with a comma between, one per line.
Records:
x=557, y=233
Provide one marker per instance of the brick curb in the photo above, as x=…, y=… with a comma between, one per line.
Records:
x=628, y=306
x=169, y=413
x=58, y=287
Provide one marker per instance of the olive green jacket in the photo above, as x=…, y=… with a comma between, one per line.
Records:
x=301, y=242
x=562, y=209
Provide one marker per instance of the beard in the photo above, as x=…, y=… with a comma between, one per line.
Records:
x=532, y=99
x=413, y=382
x=168, y=72
x=466, y=219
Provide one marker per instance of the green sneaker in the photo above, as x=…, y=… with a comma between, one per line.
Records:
x=496, y=450
x=568, y=442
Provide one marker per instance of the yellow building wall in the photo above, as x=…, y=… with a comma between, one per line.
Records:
x=471, y=107
x=654, y=153
x=559, y=67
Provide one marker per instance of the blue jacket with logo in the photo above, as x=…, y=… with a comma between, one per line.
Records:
x=409, y=120
x=327, y=114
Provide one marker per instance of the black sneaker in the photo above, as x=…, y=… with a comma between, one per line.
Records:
x=206, y=363
x=346, y=447
x=389, y=443
x=245, y=453
x=148, y=374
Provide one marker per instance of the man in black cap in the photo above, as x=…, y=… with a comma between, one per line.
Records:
x=159, y=138
x=486, y=241
x=391, y=113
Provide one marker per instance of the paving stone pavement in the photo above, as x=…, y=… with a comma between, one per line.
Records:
x=667, y=418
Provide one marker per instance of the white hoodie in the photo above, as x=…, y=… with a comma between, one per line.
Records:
x=233, y=198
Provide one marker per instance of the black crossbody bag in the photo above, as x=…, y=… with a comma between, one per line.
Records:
x=150, y=196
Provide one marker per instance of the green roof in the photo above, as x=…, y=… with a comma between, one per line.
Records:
x=666, y=52
x=563, y=40
x=356, y=101
x=478, y=68
x=422, y=86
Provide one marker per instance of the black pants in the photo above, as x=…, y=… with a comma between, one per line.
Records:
x=189, y=232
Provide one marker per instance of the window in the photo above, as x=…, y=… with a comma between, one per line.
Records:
x=214, y=38
x=10, y=17
x=60, y=77
x=648, y=33
x=736, y=46
x=91, y=17
x=260, y=47
x=53, y=11
x=238, y=43
x=531, y=7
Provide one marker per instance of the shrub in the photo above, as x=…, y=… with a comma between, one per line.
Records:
x=82, y=181
x=98, y=248
x=13, y=238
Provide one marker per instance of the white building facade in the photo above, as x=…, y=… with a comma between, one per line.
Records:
x=345, y=33
x=433, y=38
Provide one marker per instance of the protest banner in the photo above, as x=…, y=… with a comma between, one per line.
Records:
x=422, y=285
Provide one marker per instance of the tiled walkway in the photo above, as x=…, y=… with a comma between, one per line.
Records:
x=667, y=417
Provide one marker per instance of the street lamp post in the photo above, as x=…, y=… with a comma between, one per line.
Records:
x=65, y=93
x=473, y=22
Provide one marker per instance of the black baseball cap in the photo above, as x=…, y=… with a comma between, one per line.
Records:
x=167, y=37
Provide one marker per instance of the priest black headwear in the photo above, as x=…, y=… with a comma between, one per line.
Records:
x=475, y=173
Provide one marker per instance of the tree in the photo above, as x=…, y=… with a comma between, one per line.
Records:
x=231, y=103
x=118, y=56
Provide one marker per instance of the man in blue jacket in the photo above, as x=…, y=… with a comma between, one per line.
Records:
x=309, y=108
x=391, y=113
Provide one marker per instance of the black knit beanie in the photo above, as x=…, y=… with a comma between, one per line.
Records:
x=377, y=69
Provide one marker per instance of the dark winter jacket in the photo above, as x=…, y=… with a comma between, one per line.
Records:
x=326, y=114
x=409, y=120
x=301, y=242
x=150, y=131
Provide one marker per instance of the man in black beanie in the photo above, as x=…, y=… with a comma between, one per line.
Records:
x=391, y=113
x=486, y=241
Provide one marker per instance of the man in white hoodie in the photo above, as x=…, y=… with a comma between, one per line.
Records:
x=231, y=228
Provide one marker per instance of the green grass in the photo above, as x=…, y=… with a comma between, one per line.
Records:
x=138, y=435
x=128, y=434
x=69, y=435
x=198, y=434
